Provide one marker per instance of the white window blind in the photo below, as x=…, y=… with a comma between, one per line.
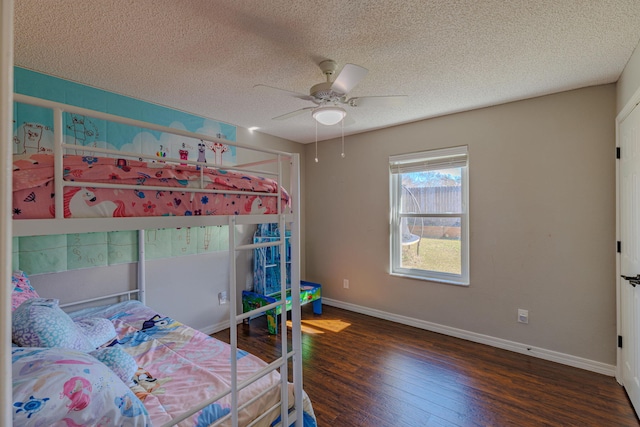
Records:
x=454, y=157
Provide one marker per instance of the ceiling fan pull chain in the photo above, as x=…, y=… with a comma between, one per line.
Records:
x=316, y=141
x=342, y=121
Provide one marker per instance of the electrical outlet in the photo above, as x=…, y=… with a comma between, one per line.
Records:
x=223, y=298
x=523, y=316
x=345, y=283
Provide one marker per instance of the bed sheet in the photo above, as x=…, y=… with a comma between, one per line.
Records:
x=33, y=190
x=180, y=367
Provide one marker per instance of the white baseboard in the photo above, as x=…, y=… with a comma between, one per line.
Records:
x=212, y=329
x=554, y=356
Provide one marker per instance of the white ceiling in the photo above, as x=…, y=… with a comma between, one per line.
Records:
x=205, y=56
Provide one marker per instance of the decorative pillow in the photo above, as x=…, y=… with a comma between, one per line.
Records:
x=98, y=330
x=62, y=387
x=39, y=322
x=119, y=361
x=22, y=289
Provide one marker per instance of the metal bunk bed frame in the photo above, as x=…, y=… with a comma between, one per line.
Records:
x=61, y=225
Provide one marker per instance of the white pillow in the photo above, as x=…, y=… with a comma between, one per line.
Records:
x=39, y=322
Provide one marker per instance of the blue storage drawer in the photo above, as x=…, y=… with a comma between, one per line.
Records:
x=266, y=261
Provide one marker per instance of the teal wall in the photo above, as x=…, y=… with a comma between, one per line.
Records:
x=54, y=89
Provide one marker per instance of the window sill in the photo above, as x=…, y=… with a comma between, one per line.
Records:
x=432, y=279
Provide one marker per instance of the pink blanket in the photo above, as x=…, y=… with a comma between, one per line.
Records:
x=33, y=195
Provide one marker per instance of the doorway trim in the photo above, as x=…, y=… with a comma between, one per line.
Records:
x=623, y=114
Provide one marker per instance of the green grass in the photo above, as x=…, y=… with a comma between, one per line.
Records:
x=435, y=254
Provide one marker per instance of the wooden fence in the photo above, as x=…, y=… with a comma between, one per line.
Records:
x=433, y=200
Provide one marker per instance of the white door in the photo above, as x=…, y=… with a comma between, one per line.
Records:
x=629, y=200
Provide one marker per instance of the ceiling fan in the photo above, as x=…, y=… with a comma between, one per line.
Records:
x=330, y=95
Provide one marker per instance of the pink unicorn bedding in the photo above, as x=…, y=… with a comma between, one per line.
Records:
x=33, y=189
x=180, y=367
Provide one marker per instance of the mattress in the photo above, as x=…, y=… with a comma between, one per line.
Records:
x=33, y=189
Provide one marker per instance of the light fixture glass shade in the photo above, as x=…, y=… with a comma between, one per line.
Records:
x=329, y=115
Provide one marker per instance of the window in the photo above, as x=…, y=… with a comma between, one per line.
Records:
x=429, y=215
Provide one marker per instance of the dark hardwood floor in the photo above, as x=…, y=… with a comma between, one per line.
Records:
x=364, y=371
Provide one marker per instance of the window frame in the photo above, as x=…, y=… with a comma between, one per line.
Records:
x=424, y=161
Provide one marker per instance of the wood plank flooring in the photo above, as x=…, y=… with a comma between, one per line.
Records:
x=363, y=371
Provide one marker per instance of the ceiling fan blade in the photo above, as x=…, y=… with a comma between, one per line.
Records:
x=389, y=100
x=348, y=78
x=286, y=92
x=293, y=113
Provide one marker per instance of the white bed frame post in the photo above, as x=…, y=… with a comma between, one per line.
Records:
x=233, y=323
x=58, y=167
x=142, y=269
x=296, y=317
x=6, y=232
x=284, y=333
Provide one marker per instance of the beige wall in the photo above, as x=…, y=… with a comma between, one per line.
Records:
x=542, y=222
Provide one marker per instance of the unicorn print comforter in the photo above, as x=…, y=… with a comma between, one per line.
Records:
x=180, y=367
x=33, y=195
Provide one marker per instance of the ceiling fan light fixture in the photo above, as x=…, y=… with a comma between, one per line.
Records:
x=329, y=115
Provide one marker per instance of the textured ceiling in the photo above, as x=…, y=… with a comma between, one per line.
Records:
x=206, y=56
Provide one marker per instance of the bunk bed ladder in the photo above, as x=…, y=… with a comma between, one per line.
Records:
x=236, y=318
x=296, y=416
